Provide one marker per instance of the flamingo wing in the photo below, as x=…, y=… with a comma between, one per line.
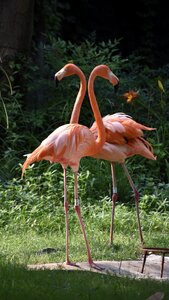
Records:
x=120, y=128
x=66, y=145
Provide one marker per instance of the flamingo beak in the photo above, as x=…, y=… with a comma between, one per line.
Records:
x=60, y=74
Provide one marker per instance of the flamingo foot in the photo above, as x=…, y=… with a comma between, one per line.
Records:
x=69, y=263
x=95, y=266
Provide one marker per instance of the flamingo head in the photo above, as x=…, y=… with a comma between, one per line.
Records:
x=113, y=79
x=105, y=72
x=67, y=70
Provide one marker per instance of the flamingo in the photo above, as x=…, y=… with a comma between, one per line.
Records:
x=69, y=143
x=124, y=138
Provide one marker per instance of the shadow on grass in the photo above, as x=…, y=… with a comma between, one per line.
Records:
x=19, y=283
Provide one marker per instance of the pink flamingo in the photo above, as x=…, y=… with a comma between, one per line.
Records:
x=124, y=138
x=70, y=142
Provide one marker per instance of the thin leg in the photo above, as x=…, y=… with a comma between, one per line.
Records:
x=136, y=196
x=78, y=211
x=66, y=208
x=114, y=198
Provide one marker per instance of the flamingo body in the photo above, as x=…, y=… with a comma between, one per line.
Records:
x=119, y=153
x=65, y=145
x=124, y=138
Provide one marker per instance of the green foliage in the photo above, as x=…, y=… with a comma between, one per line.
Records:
x=37, y=201
x=149, y=108
x=48, y=16
x=155, y=197
x=53, y=56
x=5, y=87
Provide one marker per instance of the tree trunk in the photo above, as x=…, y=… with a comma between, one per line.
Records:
x=16, y=27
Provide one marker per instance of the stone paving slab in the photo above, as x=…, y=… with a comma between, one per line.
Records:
x=129, y=268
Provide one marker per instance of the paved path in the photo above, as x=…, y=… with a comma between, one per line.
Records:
x=130, y=268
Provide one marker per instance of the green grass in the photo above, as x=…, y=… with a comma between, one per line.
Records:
x=23, y=248
x=34, y=226
x=20, y=245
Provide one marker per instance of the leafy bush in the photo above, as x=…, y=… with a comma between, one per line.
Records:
x=155, y=197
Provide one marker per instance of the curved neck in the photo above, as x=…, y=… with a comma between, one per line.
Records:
x=101, y=129
x=80, y=97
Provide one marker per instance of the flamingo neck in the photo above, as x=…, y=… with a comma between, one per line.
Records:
x=79, y=99
x=101, y=129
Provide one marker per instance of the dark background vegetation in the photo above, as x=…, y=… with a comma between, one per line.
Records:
x=142, y=26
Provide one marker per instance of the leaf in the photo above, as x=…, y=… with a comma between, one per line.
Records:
x=156, y=296
x=5, y=110
x=160, y=85
x=7, y=77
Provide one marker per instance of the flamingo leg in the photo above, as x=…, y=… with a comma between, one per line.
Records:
x=66, y=208
x=136, y=196
x=114, y=198
x=78, y=211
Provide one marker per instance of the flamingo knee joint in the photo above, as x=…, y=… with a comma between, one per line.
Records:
x=77, y=202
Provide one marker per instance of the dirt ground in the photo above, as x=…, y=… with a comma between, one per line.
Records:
x=152, y=268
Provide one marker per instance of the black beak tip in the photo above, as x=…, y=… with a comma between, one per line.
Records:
x=116, y=87
x=56, y=81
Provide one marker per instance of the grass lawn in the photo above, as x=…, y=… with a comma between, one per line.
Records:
x=20, y=246
x=19, y=249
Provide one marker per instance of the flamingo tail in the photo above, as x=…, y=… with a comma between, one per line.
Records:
x=144, y=148
x=36, y=155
